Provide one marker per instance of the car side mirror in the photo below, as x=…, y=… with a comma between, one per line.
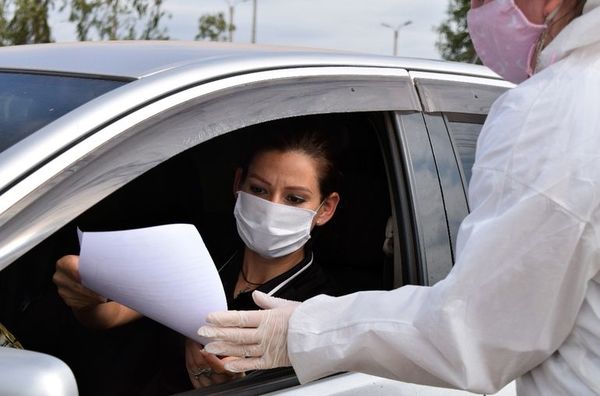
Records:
x=27, y=373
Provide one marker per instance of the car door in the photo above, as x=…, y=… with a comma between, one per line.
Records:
x=36, y=208
x=422, y=124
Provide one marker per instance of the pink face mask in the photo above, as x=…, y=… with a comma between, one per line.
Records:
x=504, y=38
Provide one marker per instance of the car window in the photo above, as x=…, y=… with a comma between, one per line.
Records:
x=30, y=101
x=453, y=140
x=464, y=131
x=194, y=187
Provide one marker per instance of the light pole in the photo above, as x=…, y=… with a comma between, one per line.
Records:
x=254, y=21
x=396, y=30
x=232, y=4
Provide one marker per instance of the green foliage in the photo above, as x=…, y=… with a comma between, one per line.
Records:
x=117, y=19
x=213, y=27
x=454, y=42
x=3, y=22
x=24, y=21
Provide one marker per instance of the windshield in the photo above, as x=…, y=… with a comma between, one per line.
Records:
x=30, y=101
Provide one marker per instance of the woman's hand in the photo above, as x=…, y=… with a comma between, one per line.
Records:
x=68, y=282
x=205, y=369
x=91, y=309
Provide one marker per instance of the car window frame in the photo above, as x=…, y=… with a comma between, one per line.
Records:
x=463, y=118
x=425, y=197
x=440, y=92
x=57, y=192
x=444, y=96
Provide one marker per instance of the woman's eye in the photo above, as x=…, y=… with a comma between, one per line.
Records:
x=257, y=190
x=295, y=199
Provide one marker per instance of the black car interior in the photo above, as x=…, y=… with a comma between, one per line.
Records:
x=195, y=187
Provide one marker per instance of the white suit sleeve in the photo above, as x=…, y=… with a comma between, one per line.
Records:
x=511, y=299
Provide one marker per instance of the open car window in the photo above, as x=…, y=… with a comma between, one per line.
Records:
x=196, y=187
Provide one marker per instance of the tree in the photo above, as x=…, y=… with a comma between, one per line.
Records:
x=3, y=22
x=454, y=42
x=213, y=27
x=117, y=19
x=27, y=23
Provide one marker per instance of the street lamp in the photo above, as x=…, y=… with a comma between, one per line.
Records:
x=254, y=21
x=232, y=4
x=396, y=30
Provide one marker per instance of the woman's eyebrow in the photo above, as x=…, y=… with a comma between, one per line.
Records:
x=262, y=180
x=294, y=188
x=299, y=188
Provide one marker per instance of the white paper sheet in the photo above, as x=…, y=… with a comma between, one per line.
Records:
x=163, y=272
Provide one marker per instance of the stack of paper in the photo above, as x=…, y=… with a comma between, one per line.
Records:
x=163, y=272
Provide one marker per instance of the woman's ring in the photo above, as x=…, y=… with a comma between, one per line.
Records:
x=206, y=371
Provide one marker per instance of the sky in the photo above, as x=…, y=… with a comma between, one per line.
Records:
x=350, y=25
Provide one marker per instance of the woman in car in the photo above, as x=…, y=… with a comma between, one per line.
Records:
x=285, y=187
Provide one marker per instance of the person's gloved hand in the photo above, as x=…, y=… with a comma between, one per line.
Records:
x=258, y=336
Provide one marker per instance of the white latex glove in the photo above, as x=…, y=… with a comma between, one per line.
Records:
x=260, y=337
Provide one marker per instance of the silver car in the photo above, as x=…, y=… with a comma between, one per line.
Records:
x=113, y=135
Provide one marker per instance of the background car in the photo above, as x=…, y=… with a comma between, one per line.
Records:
x=114, y=135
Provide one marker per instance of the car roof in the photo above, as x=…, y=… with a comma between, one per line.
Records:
x=139, y=59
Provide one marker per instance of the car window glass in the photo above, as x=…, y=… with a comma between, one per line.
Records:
x=30, y=101
x=464, y=131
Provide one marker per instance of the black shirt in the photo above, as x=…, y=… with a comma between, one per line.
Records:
x=301, y=282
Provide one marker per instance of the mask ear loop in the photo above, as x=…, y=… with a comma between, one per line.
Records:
x=540, y=44
x=317, y=211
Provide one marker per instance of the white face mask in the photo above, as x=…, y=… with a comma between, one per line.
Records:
x=270, y=229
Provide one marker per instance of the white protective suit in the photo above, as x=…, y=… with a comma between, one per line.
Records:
x=523, y=299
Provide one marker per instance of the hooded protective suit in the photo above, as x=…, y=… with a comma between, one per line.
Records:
x=523, y=299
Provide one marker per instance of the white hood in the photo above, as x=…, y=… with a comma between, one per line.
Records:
x=581, y=32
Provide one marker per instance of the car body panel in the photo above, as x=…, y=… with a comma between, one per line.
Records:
x=363, y=384
x=442, y=93
x=25, y=373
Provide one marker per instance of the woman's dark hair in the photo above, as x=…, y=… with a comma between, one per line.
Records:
x=318, y=139
x=579, y=7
